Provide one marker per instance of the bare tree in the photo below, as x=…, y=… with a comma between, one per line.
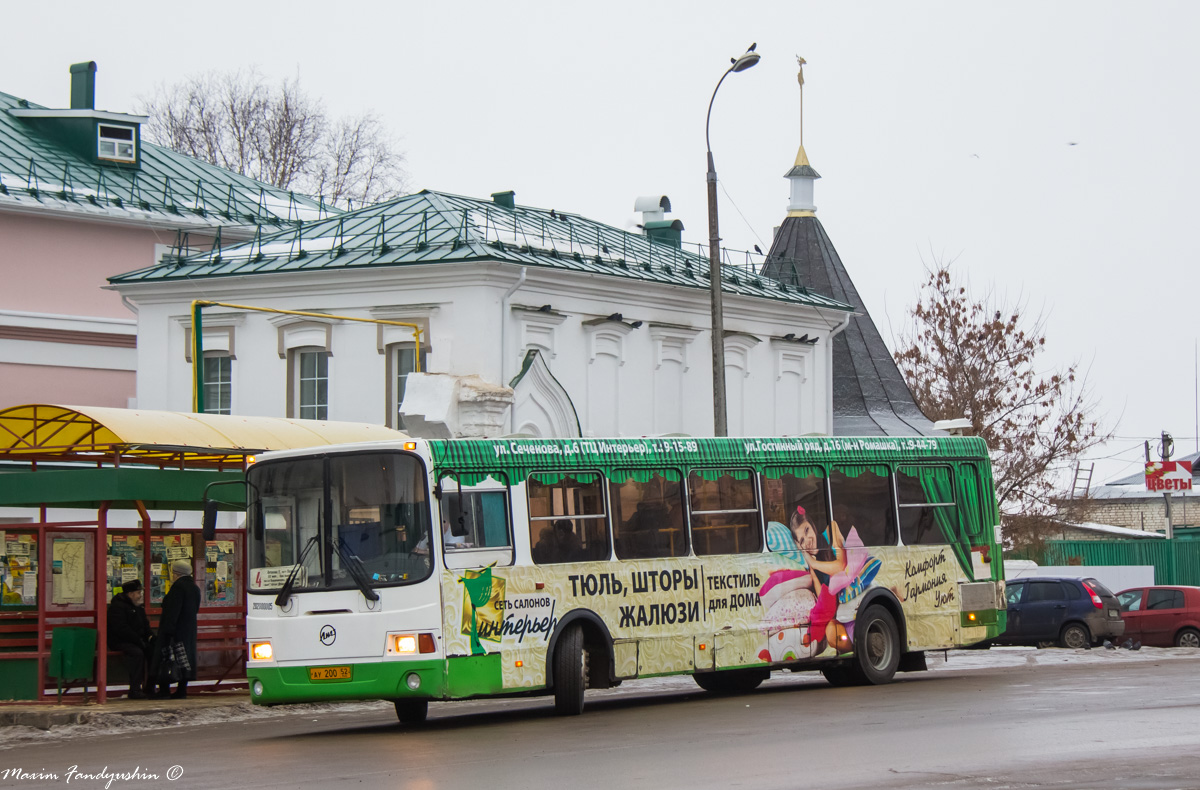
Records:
x=277, y=134
x=978, y=359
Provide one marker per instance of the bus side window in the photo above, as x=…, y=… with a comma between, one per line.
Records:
x=926, y=500
x=482, y=517
x=567, y=521
x=648, y=514
x=725, y=515
x=862, y=501
x=790, y=494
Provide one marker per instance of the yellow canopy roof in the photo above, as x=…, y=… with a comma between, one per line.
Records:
x=98, y=434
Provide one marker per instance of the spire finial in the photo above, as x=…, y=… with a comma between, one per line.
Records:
x=802, y=174
x=800, y=78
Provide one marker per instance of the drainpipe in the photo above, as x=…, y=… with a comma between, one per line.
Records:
x=837, y=330
x=503, y=347
x=128, y=304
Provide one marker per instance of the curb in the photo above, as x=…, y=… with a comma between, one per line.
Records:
x=45, y=719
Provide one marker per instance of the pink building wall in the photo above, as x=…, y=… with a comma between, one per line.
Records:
x=60, y=265
x=20, y=384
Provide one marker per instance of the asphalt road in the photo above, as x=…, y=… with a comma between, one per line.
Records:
x=1075, y=726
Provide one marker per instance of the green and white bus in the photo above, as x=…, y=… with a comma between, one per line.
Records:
x=446, y=570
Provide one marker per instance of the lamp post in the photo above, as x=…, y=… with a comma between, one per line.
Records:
x=714, y=257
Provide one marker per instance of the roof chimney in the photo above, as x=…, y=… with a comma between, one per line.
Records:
x=505, y=199
x=665, y=231
x=83, y=86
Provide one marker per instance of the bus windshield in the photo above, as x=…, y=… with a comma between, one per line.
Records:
x=328, y=520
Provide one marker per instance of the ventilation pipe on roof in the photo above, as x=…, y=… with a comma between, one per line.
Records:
x=653, y=208
x=505, y=199
x=83, y=86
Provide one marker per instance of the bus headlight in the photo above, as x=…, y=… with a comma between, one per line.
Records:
x=257, y=688
x=413, y=680
x=261, y=651
x=409, y=644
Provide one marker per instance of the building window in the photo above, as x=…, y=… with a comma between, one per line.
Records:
x=312, y=384
x=218, y=381
x=403, y=362
x=117, y=142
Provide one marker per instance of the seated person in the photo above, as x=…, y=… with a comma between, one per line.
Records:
x=129, y=632
x=569, y=549
x=450, y=541
x=544, y=550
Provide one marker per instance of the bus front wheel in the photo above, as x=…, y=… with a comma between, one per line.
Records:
x=412, y=711
x=876, y=647
x=570, y=672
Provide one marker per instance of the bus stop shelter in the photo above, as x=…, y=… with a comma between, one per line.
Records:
x=59, y=575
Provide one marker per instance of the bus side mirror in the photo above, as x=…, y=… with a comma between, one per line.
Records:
x=258, y=519
x=458, y=527
x=210, y=520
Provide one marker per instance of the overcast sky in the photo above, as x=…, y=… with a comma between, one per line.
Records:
x=1050, y=149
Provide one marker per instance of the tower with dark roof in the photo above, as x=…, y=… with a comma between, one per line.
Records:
x=870, y=397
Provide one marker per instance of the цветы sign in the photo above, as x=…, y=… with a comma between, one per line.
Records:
x=1169, y=476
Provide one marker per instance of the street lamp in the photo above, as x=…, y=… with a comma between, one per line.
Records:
x=714, y=257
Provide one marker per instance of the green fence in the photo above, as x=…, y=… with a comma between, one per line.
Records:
x=1174, y=562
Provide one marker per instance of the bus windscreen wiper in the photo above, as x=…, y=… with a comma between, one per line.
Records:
x=354, y=565
x=285, y=592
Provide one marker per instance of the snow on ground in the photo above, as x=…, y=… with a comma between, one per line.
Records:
x=242, y=710
x=1028, y=656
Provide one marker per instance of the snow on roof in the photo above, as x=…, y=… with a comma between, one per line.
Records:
x=1135, y=491
x=1092, y=526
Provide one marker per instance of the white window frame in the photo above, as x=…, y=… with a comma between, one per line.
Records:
x=116, y=143
x=397, y=375
x=225, y=385
x=297, y=407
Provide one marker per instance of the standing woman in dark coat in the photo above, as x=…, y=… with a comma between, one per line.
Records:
x=177, y=623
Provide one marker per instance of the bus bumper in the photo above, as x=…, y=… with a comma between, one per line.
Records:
x=389, y=680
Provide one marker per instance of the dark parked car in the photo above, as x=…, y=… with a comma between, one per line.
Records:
x=1069, y=612
x=1162, y=616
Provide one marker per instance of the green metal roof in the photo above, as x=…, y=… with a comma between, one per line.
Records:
x=436, y=228
x=36, y=171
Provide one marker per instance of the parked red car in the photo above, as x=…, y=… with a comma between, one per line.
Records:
x=1162, y=616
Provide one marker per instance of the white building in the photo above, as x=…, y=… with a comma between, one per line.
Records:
x=597, y=331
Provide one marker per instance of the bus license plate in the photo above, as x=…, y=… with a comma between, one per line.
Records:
x=321, y=674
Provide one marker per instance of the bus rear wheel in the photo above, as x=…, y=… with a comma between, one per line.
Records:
x=570, y=672
x=876, y=647
x=412, y=711
x=731, y=681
